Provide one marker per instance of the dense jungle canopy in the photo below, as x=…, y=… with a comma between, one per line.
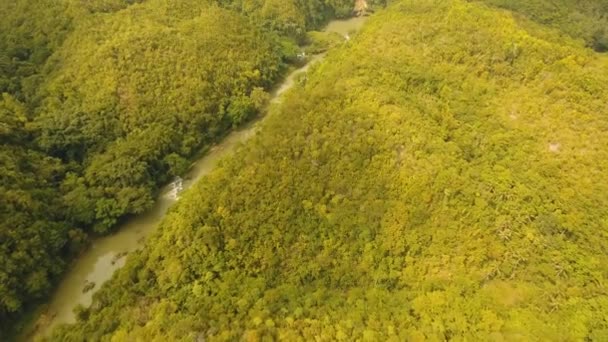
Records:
x=440, y=176
x=103, y=101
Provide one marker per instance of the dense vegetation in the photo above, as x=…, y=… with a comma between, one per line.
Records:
x=441, y=177
x=586, y=20
x=105, y=100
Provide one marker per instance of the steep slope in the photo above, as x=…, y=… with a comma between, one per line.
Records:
x=585, y=20
x=441, y=177
x=119, y=108
x=30, y=31
x=131, y=106
x=107, y=100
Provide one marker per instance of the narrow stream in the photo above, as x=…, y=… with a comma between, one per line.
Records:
x=107, y=254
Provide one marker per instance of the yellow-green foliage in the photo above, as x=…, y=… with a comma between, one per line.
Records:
x=585, y=20
x=127, y=90
x=31, y=30
x=319, y=42
x=441, y=177
x=106, y=100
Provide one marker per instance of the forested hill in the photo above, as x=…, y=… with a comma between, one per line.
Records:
x=586, y=20
x=440, y=177
x=105, y=100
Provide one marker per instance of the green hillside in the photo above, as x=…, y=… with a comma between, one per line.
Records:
x=103, y=101
x=440, y=177
x=585, y=20
x=153, y=92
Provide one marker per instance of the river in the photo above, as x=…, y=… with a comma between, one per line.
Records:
x=107, y=254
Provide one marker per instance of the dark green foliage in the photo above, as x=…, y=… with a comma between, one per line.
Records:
x=440, y=177
x=99, y=109
x=108, y=99
x=600, y=40
x=29, y=31
x=295, y=17
x=31, y=232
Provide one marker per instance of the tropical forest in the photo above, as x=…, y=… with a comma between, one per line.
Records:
x=303, y=170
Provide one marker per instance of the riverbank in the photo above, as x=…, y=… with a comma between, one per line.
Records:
x=107, y=254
